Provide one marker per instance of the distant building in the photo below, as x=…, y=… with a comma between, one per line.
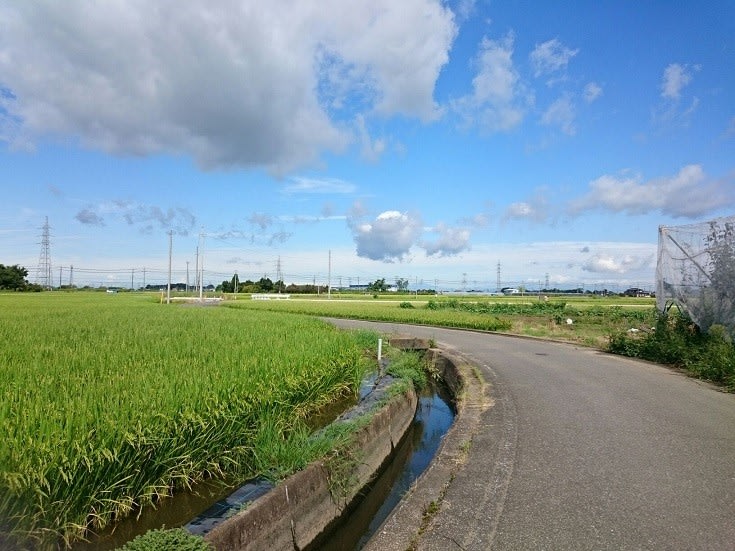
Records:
x=636, y=292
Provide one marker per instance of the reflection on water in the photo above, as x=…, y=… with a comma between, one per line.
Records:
x=434, y=416
x=170, y=512
x=206, y=503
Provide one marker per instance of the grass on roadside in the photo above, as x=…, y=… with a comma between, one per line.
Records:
x=592, y=320
x=675, y=340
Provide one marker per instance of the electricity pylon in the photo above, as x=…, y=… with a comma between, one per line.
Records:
x=43, y=276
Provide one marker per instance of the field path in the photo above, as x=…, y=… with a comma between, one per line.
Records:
x=584, y=450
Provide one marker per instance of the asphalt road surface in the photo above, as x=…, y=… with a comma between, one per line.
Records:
x=586, y=450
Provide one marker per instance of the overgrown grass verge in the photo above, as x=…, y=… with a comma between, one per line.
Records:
x=410, y=367
x=676, y=340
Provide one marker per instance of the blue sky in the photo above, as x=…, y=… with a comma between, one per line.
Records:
x=418, y=139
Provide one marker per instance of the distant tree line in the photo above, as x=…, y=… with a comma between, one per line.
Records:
x=13, y=278
x=400, y=286
x=266, y=285
x=263, y=285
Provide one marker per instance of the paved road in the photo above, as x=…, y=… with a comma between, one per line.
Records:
x=585, y=450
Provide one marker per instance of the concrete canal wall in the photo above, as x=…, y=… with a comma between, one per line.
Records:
x=293, y=514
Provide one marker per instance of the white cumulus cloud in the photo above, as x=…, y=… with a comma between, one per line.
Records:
x=229, y=83
x=592, y=91
x=499, y=100
x=674, y=111
x=676, y=77
x=319, y=185
x=561, y=113
x=689, y=193
x=550, y=57
x=389, y=237
x=146, y=218
x=450, y=241
x=520, y=210
x=609, y=264
x=535, y=209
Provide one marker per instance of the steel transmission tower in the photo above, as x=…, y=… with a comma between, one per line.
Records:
x=279, y=275
x=43, y=276
x=498, y=280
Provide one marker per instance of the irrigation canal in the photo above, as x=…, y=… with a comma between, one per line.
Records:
x=208, y=503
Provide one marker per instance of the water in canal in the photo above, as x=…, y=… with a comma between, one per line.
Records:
x=434, y=416
x=211, y=501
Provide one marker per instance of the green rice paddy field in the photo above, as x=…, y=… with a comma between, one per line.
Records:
x=593, y=318
x=109, y=401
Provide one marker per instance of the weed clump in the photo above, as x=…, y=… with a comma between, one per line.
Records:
x=177, y=539
x=678, y=341
x=409, y=366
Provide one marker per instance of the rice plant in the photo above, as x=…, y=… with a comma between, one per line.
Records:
x=390, y=311
x=109, y=402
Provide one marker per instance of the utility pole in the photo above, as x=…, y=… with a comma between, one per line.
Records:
x=187, y=277
x=143, y=278
x=61, y=271
x=279, y=275
x=170, y=253
x=329, y=277
x=71, y=276
x=201, y=269
x=132, y=280
x=196, y=268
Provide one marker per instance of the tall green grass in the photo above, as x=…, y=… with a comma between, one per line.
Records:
x=676, y=340
x=108, y=402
